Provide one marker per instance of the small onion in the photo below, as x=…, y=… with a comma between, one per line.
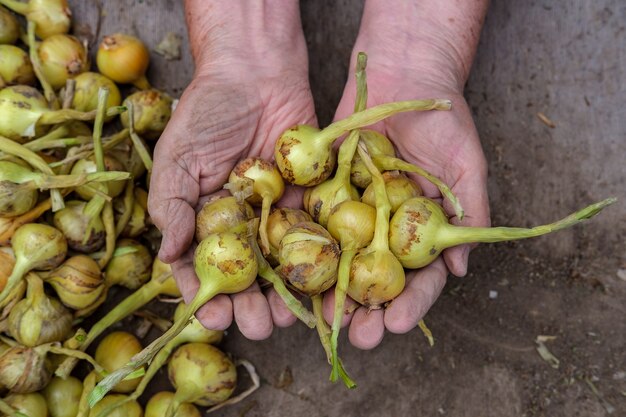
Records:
x=84, y=234
x=124, y=59
x=399, y=189
x=278, y=222
x=113, y=352
x=62, y=57
x=21, y=107
x=159, y=403
x=63, y=396
x=152, y=110
x=9, y=27
x=24, y=370
x=222, y=214
x=202, y=374
x=308, y=257
x=88, y=166
x=86, y=91
x=16, y=197
x=50, y=16
x=129, y=409
x=32, y=404
x=38, y=318
x=78, y=282
x=377, y=144
x=139, y=219
x=15, y=66
x=130, y=269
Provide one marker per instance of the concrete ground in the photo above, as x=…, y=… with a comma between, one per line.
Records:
x=567, y=61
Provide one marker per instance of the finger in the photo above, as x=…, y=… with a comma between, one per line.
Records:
x=252, y=313
x=419, y=294
x=471, y=189
x=281, y=316
x=367, y=328
x=217, y=314
x=173, y=193
x=329, y=308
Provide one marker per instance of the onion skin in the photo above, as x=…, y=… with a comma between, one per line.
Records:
x=63, y=396
x=377, y=144
x=74, y=224
x=15, y=66
x=32, y=404
x=88, y=166
x=206, y=374
x=131, y=270
x=352, y=224
x=78, y=282
x=24, y=370
x=399, y=189
x=308, y=257
x=278, y=222
x=318, y=201
x=222, y=215
x=86, y=92
x=15, y=199
x=21, y=106
x=62, y=57
x=114, y=351
x=9, y=27
x=376, y=278
x=124, y=59
x=46, y=243
x=152, y=111
x=50, y=16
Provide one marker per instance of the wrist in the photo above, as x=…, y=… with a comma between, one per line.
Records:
x=423, y=43
x=241, y=38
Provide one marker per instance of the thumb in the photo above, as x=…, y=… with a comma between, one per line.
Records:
x=171, y=200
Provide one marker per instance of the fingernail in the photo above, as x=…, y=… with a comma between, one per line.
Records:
x=464, y=260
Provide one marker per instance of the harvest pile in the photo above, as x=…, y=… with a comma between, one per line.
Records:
x=73, y=223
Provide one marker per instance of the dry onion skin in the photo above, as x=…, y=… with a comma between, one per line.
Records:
x=78, y=282
x=222, y=214
x=84, y=233
x=124, y=59
x=15, y=66
x=420, y=230
x=24, y=369
x=152, y=111
x=50, y=16
x=62, y=57
x=278, y=222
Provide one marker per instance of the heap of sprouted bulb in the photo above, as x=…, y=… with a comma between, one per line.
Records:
x=75, y=154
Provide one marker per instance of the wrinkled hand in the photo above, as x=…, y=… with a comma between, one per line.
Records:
x=446, y=144
x=218, y=122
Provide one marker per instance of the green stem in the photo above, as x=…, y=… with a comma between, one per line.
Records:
x=109, y=227
x=129, y=199
x=376, y=114
x=46, y=182
x=20, y=268
x=56, y=143
x=450, y=235
x=204, y=294
x=14, y=148
x=137, y=142
x=103, y=95
x=341, y=290
x=59, y=116
x=142, y=83
x=6, y=409
x=48, y=91
x=293, y=304
x=390, y=163
x=16, y=6
x=108, y=143
x=266, y=205
x=383, y=207
x=42, y=142
x=184, y=394
x=324, y=334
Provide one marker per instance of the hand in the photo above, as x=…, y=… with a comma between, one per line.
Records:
x=445, y=143
x=243, y=96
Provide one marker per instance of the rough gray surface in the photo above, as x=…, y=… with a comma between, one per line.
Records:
x=566, y=61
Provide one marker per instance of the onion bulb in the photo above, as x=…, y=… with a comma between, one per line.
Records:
x=278, y=222
x=7, y=262
x=202, y=374
x=50, y=16
x=131, y=268
x=9, y=27
x=267, y=188
x=114, y=351
x=38, y=318
x=152, y=110
x=304, y=154
x=377, y=144
x=86, y=92
x=222, y=214
x=139, y=220
x=26, y=113
x=84, y=234
x=308, y=257
x=36, y=246
x=225, y=263
x=78, y=281
x=159, y=403
x=63, y=396
x=32, y=404
x=399, y=188
x=15, y=66
x=62, y=57
x=420, y=230
x=89, y=166
x=24, y=369
x=124, y=59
